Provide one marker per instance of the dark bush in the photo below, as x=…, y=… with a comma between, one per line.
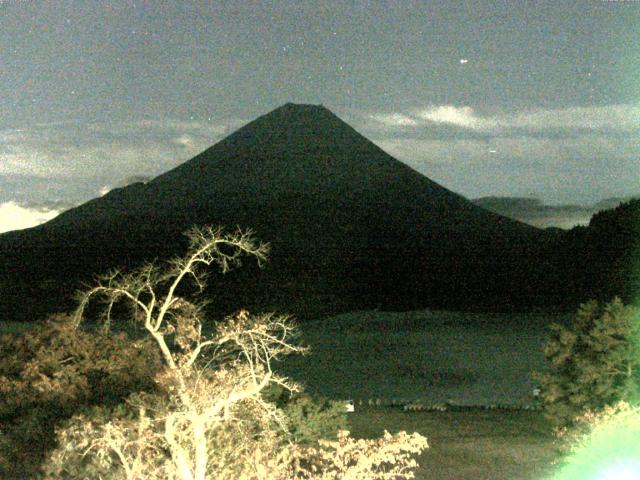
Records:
x=309, y=418
x=595, y=362
x=55, y=370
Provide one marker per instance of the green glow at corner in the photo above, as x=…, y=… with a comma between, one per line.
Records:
x=623, y=470
x=611, y=451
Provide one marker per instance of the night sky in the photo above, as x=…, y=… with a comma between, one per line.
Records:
x=508, y=98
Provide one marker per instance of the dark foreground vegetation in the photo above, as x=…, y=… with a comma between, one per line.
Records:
x=473, y=443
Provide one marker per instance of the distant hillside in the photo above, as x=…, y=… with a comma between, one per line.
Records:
x=533, y=212
x=350, y=228
x=603, y=259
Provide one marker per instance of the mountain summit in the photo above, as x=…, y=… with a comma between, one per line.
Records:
x=350, y=227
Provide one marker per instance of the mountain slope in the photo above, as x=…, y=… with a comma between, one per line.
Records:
x=350, y=227
x=603, y=260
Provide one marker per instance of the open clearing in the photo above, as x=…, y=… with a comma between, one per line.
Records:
x=479, y=444
x=436, y=357
x=466, y=359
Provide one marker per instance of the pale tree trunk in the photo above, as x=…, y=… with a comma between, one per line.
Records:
x=178, y=455
x=200, y=445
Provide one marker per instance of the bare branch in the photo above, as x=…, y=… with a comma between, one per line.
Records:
x=200, y=405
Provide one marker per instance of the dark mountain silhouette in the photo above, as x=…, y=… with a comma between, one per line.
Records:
x=350, y=227
x=599, y=260
x=602, y=260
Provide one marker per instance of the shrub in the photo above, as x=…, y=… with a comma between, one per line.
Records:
x=595, y=362
x=309, y=418
x=51, y=372
x=209, y=418
x=390, y=456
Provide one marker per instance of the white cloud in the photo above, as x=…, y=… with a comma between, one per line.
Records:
x=615, y=117
x=125, y=182
x=111, y=151
x=23, y=160
x=15, y=216
x=583, y=169
x=395, y=120
x=546, y=152
x=460, y=116
x=74, y=162
x=623, y=117
x=187, y=142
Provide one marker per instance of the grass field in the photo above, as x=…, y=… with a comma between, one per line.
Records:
x=431, y=356
x=475, y=445
x=437, y=357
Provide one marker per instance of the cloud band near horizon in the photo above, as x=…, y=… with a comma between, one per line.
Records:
x=475, y=154
x=621, y=117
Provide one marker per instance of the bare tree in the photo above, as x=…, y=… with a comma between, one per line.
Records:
x=211, y=421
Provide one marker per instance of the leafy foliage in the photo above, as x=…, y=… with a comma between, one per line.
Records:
x=308, y=418
x=311, y=419
x=389, y=456
x=50, y=373
x=595, y=362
